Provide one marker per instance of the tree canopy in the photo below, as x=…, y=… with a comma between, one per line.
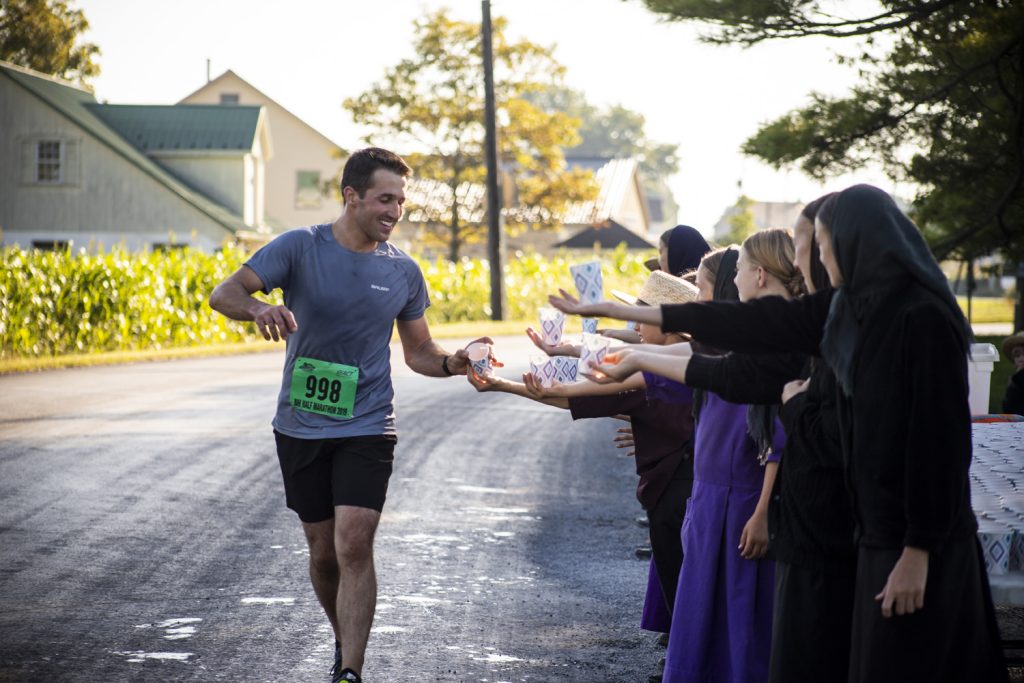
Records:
x=433, y=103
x=940, y=106
x=43, y=35
x=616, y=132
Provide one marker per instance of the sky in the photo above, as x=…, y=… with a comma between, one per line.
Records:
x=309, y=55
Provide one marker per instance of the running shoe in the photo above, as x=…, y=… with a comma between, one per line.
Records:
x=347, y=676
x=336, y=669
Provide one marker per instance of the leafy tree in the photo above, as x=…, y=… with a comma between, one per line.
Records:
x=741, y=221
x=615, y=132
x=940, y=105
x=434, y=102
x=43, y=35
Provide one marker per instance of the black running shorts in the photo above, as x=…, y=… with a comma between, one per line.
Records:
x=321, y=473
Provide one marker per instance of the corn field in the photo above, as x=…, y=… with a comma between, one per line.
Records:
x=59, y=302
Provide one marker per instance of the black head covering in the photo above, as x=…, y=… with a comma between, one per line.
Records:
x=725, y=281
x=686, y=247
x=725, y=290
x=818, y=274
x=880, y=252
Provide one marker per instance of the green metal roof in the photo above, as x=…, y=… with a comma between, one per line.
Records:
x=74, y=103
x=182, y=126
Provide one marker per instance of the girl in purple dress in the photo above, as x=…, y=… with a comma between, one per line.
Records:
x=721, y=629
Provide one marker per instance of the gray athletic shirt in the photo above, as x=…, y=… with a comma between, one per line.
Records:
x=345, y=304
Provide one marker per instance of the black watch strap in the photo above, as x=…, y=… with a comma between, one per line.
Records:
x=444, y=366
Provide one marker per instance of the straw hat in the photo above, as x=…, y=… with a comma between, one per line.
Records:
x=661, y=288
x=1012, y=342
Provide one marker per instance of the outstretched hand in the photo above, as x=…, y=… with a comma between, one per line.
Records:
x=567, y=303
x=616, y=367
x=538, y=390
x=459, y=362
x=484, y=383
x=563, y=349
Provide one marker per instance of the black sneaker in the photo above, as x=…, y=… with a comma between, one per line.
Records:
x=347, y=676
x=336, y=669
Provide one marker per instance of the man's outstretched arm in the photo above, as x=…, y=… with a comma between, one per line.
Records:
x=426, y=356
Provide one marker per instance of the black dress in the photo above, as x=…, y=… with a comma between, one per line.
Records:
x=906, y=441
x=810, y=520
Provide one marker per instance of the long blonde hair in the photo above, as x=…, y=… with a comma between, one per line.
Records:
x=773, y=250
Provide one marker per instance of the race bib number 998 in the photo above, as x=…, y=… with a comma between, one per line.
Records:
x=325, y=388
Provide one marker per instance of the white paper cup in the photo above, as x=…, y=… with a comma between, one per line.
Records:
x=589, y=283
x=480, y=358
x=552, y=324
x=543, y=370
x=566, y=369
x=595, y=347
x=589, y=325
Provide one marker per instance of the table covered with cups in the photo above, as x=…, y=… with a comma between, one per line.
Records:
x=997, y=495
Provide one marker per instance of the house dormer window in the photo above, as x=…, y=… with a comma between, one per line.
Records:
x=229, y=98
x=49, y=161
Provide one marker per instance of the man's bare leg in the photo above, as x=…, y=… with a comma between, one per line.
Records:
x=323, y=568
x=354, y=529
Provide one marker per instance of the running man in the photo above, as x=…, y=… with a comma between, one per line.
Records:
x=344, y=289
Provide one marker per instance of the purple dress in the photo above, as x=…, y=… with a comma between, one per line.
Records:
x=655, y=616
x=721, y=624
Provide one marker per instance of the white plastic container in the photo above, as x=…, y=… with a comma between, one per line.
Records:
x=979, y=374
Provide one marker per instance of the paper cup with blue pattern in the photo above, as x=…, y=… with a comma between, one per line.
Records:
x=552, y=324
x=595, y=348
x=543, y=370
x=480, y=358
x=589, y=283
x=566, y=369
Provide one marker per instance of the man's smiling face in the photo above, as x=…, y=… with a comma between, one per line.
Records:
x=379, y=210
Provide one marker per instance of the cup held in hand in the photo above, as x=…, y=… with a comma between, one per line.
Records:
x=566, y=369
x=589, y=283
x=480, y=358
x=543, y=370
x=552, y=324
x=595, y=348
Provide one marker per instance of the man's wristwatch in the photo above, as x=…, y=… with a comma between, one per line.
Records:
x=444, y=366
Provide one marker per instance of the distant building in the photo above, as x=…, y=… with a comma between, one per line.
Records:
x=618, y=214
x=304, y=159
x=766, y=215
x=79, y=171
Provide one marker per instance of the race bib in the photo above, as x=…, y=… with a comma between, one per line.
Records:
x=325, y=388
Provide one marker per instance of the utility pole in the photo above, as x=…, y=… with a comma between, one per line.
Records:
x=495, y=235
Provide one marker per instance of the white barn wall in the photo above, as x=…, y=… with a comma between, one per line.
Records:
x=113, y=199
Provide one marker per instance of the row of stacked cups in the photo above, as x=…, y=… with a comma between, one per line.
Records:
x=997, y=494
x=566, y=369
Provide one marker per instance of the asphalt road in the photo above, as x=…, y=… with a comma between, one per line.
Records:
x=143, y=535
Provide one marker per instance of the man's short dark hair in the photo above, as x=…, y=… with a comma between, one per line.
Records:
x=359, y=168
